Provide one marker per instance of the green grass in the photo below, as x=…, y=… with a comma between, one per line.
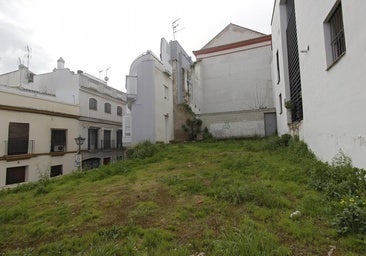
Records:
x=230, y=197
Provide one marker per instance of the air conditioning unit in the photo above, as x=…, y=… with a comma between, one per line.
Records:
x=59, y=148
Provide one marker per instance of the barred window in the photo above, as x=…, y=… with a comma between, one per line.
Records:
x=338, y=43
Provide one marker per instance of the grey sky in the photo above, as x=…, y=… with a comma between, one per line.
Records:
x=93, y=35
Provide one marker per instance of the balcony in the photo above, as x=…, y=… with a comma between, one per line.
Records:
x=131, y=86
x=108, y=145
x=18, y=149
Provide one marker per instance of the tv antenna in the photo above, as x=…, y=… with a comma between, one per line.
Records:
x=175, y=25
x=106, y=78
x=28, y=54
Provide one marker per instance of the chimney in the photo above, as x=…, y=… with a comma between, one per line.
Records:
x=60, y=63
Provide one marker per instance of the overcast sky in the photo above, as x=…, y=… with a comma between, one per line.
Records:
x=93, y=35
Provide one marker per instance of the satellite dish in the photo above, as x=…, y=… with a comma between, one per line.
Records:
x=106, y=78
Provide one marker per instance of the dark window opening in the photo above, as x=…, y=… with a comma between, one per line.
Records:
x=278, y=67
x=107, y=108
x=93, y=104
x=92, y=138
x=119, y=139
x=58, y=140
x=15, y=175
x=18, y=138
x=56, y=170
x=107, y=139
x=106, y=161
x=119, y=111
x=280, y=102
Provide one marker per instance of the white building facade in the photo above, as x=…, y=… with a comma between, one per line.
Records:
x=100, y=111
x=232, y=84
x=318, y=74
x=150, y=101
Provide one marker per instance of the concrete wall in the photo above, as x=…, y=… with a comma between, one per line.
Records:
x=332, y=97
x=182, y=88
x=236, y=123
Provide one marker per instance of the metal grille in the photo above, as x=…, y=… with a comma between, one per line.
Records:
x=293, y=63
x=338, y=42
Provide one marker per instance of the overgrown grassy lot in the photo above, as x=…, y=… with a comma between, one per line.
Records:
x=220, y=198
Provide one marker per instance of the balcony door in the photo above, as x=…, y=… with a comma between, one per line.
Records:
x=18, y=138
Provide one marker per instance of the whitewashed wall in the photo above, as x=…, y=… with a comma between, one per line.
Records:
x=333, y=99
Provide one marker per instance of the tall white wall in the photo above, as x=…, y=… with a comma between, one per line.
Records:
x=237, y=81
x=143, y=108
x=333, y=99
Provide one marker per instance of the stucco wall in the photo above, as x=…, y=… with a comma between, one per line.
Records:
x=164, y=107
x=143, y=108
x=40, y=126
x=235, y=124
x=333, y=99
x=237, y=81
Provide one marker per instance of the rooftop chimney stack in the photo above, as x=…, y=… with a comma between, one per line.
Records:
x=60, y=63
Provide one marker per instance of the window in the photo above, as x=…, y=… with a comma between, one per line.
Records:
x=93, y=138
x=166, y=92
x=18, y=138
x=335, y=42
x=127, y=126
x=119, y=139
x=294, y=72
x=107, y=108
x=56, y=170
x=15, y=175
x=58, y=140
x=278, y=67
x=131, y=85
x=280, y=102
x=107, y=139
x=93, y=104
x=119, y=111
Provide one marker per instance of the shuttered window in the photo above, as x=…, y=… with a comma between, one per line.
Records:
x=293, y=63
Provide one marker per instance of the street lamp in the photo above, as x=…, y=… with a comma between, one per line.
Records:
x=79, y=141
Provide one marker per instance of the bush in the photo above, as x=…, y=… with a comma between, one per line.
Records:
x=352, y=218
x=276, y=142
x=142, y=150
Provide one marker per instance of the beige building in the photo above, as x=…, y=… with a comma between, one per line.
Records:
x=37, y=135
x=41, y=115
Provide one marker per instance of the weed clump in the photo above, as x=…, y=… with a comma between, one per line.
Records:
x=345, y=186
x=142, y=150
